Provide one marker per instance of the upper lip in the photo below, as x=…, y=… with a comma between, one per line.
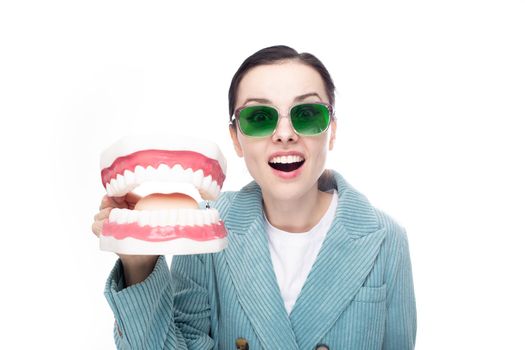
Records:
x=285, y=153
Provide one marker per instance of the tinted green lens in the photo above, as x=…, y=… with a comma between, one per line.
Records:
x=258, y=120
x=310, y=118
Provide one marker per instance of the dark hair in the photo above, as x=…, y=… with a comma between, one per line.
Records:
x=275, y=54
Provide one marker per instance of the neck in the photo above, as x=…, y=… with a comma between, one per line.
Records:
x=298, y=214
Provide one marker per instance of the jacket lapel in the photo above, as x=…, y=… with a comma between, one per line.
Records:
x=251, y=268
x=344, y=261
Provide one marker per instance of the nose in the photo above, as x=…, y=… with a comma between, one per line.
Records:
x=284, y=132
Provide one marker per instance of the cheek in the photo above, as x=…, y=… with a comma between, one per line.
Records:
x=252, y=158
x=253, y=151
x=320, y=151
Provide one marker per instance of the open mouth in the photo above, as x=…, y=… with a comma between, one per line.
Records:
x=174, y=228
x=286, y=163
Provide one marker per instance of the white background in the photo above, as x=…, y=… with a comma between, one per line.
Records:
x=430, y=101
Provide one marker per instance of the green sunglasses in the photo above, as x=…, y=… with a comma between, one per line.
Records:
x=307, y=119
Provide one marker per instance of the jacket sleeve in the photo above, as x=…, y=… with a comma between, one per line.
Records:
x=144, y=312
x=165, y=311
x=400, y=332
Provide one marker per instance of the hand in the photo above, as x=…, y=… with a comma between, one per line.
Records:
x=108, y=203
x=136, y=267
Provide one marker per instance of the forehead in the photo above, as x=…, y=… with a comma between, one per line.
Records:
x=280, y=82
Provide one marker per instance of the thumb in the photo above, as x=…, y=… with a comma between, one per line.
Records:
x=132, y=199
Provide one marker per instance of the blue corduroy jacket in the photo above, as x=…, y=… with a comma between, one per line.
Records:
x=359, y=293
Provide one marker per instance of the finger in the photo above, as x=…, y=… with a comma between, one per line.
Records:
x=114, y=202
x=97, y=228
x=104, y=202
x=119, y=200
x=103, y=214
x=132, y=197
x=132, y=200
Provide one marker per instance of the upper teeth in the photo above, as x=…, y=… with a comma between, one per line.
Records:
x=286, y=159
x=207, y=187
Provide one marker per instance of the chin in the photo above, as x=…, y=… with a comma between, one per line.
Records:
x=289, y=190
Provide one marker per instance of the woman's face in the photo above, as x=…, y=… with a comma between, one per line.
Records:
x=283, y=85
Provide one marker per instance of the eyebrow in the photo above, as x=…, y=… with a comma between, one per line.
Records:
x=296, y=99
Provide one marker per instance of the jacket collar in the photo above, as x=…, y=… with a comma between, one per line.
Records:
x=344, y=261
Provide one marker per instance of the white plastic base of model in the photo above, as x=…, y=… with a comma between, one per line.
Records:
x=179, y=246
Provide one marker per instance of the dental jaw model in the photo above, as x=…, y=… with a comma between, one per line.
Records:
x=168, y=222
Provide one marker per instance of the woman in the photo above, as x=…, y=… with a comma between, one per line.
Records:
x=310, y=263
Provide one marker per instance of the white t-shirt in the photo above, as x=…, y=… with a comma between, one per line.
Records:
x=293, y=254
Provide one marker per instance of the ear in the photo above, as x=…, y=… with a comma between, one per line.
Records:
x=235, y=140
x=333, y=130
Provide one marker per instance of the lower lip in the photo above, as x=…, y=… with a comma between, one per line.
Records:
x=287, y=175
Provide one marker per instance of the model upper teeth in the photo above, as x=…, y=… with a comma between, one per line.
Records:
x=286, y=159
x=135, y=160
x=126, y=183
